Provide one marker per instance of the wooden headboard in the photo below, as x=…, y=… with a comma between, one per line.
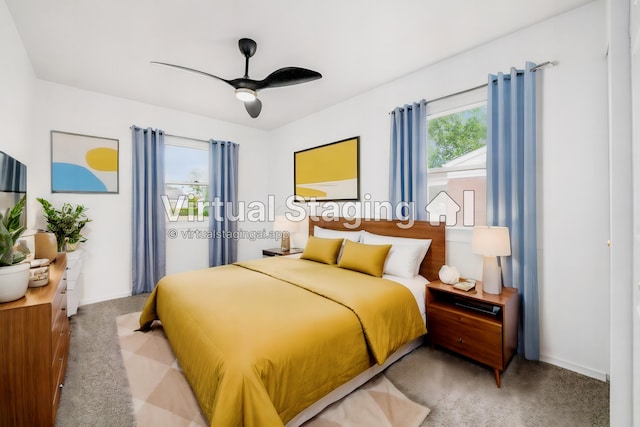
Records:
x=435, y=257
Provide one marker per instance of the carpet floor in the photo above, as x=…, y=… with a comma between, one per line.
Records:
x=459, y=392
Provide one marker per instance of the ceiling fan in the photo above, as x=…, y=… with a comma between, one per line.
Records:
x=247, y=89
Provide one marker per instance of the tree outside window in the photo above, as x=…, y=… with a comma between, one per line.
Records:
x=457, y=163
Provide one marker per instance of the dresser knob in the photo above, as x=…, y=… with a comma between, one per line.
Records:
x=460, y=340
x=60, y=385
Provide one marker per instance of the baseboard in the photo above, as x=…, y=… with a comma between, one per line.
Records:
x=602, y=376
x=104, y=298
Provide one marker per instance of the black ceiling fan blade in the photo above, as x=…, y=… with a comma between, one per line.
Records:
x=191, y=70
x=253, y=107
x=288, y=76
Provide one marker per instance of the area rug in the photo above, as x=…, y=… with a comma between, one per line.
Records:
x=162, y=396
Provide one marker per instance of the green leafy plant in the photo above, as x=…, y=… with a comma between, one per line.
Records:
x=66, y=223
x=456, y=134
x=10, y=232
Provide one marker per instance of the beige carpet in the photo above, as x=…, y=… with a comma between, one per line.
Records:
x=162, y=396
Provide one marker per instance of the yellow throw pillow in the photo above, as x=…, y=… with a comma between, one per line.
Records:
x=322, y=250
x=368, y=259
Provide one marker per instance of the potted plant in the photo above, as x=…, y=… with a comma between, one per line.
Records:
x=14, y=274
x=66, y=223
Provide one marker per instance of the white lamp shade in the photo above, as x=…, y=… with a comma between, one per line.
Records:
x=281, y=223
x=491, y=241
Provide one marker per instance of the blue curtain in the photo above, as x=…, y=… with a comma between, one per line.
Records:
x=408, y=164
x=148, y=234
x=511, y=190
x=223, y=190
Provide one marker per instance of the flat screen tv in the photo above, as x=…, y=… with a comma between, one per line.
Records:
x=13, y=184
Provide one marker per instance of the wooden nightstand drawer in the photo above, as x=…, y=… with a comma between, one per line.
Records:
x=472, y=336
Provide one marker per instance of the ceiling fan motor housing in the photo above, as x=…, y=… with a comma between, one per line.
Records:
x=247, y=47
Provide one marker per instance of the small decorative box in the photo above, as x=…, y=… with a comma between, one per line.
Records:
x=39, y=272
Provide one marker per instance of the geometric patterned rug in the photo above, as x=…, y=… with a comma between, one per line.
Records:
x=162, y=396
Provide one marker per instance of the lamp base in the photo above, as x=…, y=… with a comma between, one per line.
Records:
x=285, y=243
x=491, y=276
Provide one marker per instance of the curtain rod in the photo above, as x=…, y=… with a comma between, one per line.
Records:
x=185, y=137
x=177, y=136
x=536, y=68
x=409, y=107
x=457, y=93
x=544, y=64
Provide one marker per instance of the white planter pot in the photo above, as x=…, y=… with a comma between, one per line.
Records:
x=14, y=281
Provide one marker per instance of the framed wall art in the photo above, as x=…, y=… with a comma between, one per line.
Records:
x=83, y=163
x=328, y=172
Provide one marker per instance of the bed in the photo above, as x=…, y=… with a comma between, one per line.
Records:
x=273, y=341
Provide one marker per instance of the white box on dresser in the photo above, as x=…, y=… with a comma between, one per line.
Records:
x=74, y=280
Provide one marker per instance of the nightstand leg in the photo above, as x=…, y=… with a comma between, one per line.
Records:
x=497, y=373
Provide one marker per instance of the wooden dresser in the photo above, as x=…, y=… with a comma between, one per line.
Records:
x=34, y=345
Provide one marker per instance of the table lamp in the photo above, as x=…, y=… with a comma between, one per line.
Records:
x=286, y=227
x=491, y=242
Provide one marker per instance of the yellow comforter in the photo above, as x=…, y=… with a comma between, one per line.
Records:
x=259, y=341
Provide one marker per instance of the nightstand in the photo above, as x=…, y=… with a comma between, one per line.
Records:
x=483, y=327
x=280, y=252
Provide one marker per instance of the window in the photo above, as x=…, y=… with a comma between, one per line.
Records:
x=186, y=176
x=457, y=153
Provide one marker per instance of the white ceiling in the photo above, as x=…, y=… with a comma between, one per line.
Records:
x=106, y=45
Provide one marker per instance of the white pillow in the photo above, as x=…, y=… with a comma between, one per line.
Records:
x=402, y=260
x=405, y=256
x=354, y=236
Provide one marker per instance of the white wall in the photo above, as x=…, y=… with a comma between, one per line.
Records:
x=17, y=89
x=573, y=176
x=635, y=83
x=107, y=268
x=621, y=206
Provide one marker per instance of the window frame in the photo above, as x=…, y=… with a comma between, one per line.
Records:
x=445, y=106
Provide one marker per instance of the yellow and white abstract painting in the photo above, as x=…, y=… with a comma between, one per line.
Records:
x=328, y=172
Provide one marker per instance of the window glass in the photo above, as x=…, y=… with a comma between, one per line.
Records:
x=186, y=175
x=456, y=163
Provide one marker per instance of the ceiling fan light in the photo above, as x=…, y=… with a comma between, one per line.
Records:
x=245, y=95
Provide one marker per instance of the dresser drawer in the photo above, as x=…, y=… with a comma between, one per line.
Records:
x=59, y=300
x=58, y=368
x=59, y=329
x=471, y=335
x=60, y=321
